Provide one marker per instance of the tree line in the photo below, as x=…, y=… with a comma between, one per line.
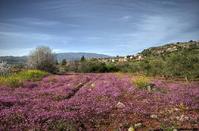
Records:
x=183, y=63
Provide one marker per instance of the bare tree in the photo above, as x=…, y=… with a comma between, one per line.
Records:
x=42, y=58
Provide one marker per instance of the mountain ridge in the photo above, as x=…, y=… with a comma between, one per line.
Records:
x=69, y=56
x=151, y=51
x=170, y=48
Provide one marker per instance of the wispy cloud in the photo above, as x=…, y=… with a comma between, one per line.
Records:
x=14, y=51
x=125, y=18
x=26, y=35
x=35, y=21
x=30, y=40
x=104, y=26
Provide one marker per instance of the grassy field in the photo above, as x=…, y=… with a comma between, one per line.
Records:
x=98, y=101
x=17, y=79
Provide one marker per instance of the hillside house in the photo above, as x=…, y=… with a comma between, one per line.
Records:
x=139, y=57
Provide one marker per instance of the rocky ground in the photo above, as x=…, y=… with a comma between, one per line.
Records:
x=98, y=102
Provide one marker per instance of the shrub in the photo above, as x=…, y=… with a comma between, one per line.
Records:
x=62, y=125
x=141, y=81
x=82, y=59
x=96, y=66
x=112, y=68
x=63, y=62
x=62, y=69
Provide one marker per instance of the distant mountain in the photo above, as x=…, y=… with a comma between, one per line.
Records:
x=191, y=47
x=13, y=59
x=59, y=56
x=77, y=56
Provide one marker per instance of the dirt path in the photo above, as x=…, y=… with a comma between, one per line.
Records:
x=76, y=89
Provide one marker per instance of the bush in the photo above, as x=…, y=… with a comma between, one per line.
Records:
x=112, y=68
x=141, y=82
x=63, y=62
x=62, y=125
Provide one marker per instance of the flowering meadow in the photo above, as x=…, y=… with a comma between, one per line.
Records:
x=94, y=101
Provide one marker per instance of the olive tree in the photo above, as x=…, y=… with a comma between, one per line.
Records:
x=42, y=58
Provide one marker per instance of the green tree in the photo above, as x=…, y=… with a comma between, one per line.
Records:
x=82, y=59
x=63, y=62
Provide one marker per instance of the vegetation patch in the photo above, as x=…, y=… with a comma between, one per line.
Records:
x=17, y=79
x=141, y=82
x=62, y=125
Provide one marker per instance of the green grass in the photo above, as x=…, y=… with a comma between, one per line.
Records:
x=17, y=79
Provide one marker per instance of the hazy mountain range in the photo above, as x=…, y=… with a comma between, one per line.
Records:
x=185, y=47
x=77, y=56
x=70, y=56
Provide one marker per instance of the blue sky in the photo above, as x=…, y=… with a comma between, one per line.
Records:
x=112, y=27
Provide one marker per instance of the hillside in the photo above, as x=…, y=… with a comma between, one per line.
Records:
x=179, y=59
x=172, y=48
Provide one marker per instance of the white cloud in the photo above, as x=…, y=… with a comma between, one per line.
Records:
x=156, y=29
x=26, y=35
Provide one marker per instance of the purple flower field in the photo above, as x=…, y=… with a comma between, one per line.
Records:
x=98, y=102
